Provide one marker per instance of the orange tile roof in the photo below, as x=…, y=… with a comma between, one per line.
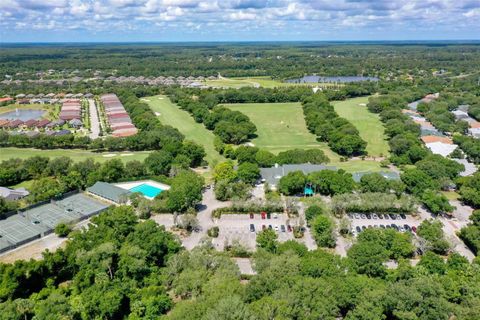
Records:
x=431, y=139
x=475, y=124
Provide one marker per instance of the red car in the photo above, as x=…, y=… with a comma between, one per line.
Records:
x=251, y=216
x=289, y=228
x=414, y=229
x=263, y=227
x=263, y=214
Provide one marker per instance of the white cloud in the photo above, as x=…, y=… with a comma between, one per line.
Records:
x=240, y=16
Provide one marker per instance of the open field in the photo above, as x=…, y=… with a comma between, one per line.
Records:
x=264, y=82
x=170, y=114
x=280, y=127
x=367, y=123
x=75, y=154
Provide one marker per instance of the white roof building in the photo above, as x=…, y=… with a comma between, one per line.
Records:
x=443, y=149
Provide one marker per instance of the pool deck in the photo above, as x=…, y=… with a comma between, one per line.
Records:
x=133, y=184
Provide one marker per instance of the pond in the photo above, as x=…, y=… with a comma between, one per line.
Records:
x=339, y=79
x=23, y=114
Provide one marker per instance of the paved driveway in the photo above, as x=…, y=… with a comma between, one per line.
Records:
x=94, y=121
x=236, y=227
x=204, y=216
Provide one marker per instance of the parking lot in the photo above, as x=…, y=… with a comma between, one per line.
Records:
x=401, y=222
x=238, y=227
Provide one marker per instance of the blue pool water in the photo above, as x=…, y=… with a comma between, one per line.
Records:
x=147, y=190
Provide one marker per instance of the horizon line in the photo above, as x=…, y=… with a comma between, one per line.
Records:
x=241, y=41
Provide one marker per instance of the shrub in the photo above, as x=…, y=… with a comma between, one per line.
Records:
x=63, y=230
x=213, y=232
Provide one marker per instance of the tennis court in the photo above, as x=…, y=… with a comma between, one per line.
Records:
x=41, y=220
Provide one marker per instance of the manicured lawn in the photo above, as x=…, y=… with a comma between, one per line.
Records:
x=280, y=127
x=76, y=155
x=451, y=195
x=171, y=114
x=359, y=166
x=368, y=124
x=264, y=82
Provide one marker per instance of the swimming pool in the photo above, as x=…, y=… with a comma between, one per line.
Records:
x=147, y=190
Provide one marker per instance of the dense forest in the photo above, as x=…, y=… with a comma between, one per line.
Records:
x=278, y=60
x=125, y=268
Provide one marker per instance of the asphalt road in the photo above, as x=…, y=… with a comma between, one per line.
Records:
x=94, y=121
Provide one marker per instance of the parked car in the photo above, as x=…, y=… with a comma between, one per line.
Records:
x=252, y=227
x=401, y=229
x=350, y=216
x=382, y=226
x=407, y=227
x=394, y=226
x=403, y=216
x=252, y=216
x=270, y=227
x=358, y=229
x=282, y=227
x=392, y=216
x=264, y=227
x=380, y=216
x=263, y=214
x=363, y=216
x=374, y=216
x=357, y=216
x=269, y=216
x=363, y=227
x=414, y=229
x=275, y=216
x=276, y=228
x=369, y=216
x=398, y=217
x=289, y=228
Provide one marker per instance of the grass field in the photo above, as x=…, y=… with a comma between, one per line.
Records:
x=76, y=155
x=170, y=114
x=367, y=123
x=280, y=127
x=264, y=82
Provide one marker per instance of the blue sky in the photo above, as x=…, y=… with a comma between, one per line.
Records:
x=237, y=20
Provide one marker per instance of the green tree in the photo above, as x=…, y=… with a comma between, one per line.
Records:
x=224, y=171
x=267, y=239
x=62, y=230
x=248, y=172
x=159, y=162
x=323, y=231
x=185, y=191
x=292, y=183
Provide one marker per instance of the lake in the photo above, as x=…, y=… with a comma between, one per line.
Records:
x=339, y=79
x=23, y=114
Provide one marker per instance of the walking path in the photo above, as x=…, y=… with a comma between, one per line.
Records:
x=94, y=121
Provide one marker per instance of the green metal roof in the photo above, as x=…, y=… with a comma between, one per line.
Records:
x=109, y=191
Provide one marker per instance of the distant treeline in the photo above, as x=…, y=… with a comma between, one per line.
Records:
x=280, y=60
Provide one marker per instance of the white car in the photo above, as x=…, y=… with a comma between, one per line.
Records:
x=276, y=228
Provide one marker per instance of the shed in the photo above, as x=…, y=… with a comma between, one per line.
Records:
x=109, y=192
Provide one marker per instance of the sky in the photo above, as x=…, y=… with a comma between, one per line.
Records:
x=237, y=20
